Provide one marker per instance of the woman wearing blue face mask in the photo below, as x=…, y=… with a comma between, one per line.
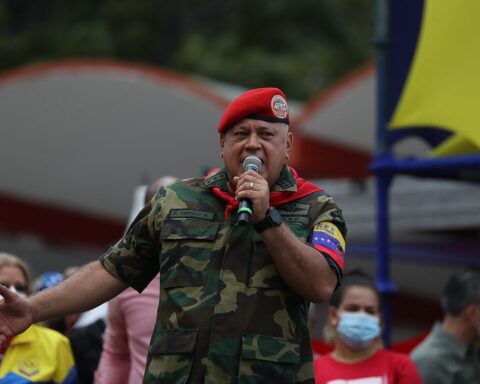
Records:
x=354, y=327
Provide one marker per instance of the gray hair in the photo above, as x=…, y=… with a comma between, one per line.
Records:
x=462, y=289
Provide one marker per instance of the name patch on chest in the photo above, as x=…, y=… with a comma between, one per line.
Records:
x=296, y=220
x=296, y=209
x=191, y=214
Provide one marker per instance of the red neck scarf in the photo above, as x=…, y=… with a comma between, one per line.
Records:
x=304, y=188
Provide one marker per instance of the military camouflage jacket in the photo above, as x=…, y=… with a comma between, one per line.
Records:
x=225, y=314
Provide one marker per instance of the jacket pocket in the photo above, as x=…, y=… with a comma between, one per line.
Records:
x=268, y=359
x=171, y=356
x=186, y=252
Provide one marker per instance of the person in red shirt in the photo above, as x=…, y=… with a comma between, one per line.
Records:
x=354, y=327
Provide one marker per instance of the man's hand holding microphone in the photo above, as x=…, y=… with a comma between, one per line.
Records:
x=252, y=192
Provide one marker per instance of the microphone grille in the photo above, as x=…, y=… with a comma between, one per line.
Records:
x=252, y=163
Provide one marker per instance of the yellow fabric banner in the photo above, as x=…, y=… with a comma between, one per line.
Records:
x=443, y=86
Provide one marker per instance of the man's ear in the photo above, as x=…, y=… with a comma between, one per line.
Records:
x=470, y=311
x=221, y=140
x=289, y=145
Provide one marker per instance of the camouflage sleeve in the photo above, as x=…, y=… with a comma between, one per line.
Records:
x=134, y=258
x=328, y=235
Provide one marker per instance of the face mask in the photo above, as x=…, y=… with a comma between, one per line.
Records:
x=358, y=329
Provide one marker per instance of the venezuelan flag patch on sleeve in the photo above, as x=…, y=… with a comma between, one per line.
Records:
x=327, y=238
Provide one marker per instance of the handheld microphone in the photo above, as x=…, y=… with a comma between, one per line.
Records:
x=251, y=163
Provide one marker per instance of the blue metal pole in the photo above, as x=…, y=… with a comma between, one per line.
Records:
x=383, y=177
x=382, y=270
x=382, y=44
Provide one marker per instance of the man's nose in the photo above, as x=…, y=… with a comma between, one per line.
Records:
x=253, y=141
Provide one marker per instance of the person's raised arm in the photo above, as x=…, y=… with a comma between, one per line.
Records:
x=85, y=289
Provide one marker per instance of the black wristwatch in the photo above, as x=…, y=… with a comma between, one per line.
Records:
x=272, y=219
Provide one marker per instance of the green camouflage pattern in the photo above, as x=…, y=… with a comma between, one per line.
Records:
x=225, y=314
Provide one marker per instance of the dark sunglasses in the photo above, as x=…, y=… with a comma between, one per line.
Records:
x=18, y=287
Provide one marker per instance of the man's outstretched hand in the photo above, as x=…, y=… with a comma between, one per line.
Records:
x=15, y=314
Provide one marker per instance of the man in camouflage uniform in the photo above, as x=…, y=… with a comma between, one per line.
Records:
x=234, y=298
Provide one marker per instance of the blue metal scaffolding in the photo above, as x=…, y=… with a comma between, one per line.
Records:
x=397, y=28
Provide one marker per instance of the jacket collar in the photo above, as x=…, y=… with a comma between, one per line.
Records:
x=25, y=337
x=218, y=178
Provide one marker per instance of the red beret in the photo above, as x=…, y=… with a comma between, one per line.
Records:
x=267, y=104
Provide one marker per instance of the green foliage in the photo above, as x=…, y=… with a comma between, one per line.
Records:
x=300, y=45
